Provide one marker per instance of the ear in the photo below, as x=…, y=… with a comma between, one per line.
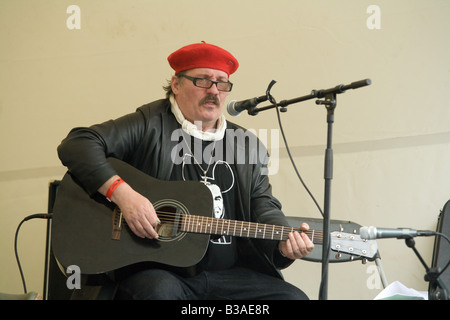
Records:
x=175, y=84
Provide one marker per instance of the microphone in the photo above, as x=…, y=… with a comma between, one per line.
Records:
x=371, y=233
x=235, y=108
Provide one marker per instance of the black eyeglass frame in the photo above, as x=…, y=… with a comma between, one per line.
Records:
x=194, y=81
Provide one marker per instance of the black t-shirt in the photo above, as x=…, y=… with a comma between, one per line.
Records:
x=205, y=161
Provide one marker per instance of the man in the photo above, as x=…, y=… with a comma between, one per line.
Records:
x=186, y=137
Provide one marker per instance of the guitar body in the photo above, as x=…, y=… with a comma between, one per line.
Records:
x=82, y=227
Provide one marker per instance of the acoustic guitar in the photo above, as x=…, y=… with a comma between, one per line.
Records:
x=90, y=232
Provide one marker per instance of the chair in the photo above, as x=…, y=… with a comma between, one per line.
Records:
x=441, y=256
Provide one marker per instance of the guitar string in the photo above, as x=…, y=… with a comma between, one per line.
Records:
x=170, y=216
x=250, y=227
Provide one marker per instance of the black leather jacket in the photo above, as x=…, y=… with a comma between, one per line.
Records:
x=143, y=139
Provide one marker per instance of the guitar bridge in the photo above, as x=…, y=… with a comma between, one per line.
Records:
x=116, y=223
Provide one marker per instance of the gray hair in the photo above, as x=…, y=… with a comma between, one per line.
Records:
x=168, y=87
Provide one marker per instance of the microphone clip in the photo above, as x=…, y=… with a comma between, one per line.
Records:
x=268, y=94
x=253, y=111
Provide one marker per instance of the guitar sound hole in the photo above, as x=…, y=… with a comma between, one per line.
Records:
x=170, y=214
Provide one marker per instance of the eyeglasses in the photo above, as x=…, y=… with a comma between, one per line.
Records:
x=206, y=83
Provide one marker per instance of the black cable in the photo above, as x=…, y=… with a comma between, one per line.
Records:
x=290, y=156
x=33, y=216
x=300, y=178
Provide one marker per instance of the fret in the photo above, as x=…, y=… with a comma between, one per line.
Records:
x=258, y=229
x=197, y=224
x=217, y=225
x=203, y=225
x=194, y=224
x=223, y=226
x=186, y=222
x=183, y=223
x=219, y=229
x=273, y=232
x=191, y=224
x=200, y=223
x=190, y=229
x=208, y=225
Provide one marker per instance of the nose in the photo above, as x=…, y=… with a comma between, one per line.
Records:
x=213, y=89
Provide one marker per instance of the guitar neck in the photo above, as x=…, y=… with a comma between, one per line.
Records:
x=216, y=226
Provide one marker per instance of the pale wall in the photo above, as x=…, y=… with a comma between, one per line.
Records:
x=391, y=139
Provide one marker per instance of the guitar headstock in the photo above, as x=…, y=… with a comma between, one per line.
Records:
x=352, y=244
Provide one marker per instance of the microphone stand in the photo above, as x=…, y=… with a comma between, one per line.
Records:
x=330, y=97
x=439, y=290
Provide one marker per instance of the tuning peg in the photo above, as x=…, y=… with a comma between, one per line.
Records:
x=364, y=261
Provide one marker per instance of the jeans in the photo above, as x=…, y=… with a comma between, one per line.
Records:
x=231, y=284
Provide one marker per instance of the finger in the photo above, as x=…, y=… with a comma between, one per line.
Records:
x=150, y=222
x=148, y=230
x=303, y=245
x=288, y=250
x=153, y=217
x=296, y=244
x=142, y=224
x=309, y=245
x=137, y=229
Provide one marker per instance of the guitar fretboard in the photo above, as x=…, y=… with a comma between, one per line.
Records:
x=215, y=226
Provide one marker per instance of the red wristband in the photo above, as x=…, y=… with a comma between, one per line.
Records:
x=113, y=187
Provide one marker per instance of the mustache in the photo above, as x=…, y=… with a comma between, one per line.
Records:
x=210, y=98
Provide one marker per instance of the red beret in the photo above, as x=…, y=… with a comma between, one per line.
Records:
x=203, y=55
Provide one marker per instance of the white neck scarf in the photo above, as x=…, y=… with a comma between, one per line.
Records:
x=194, y=130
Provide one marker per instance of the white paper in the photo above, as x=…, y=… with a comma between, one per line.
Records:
x=397, y=290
